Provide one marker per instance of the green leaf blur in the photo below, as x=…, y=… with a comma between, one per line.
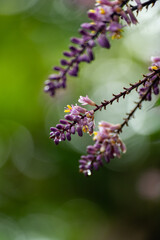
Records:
x=157, y=104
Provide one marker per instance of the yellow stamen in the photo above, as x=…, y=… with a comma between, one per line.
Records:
x=95, y=133
x=66, y=110
x=118, y=9
x=116, y=36
x=88, y=115
x=92, y=11
x=154, y=67
x=98, y=1
x=69, y=107
x=85, y=128
x=93, y=32
x=113, y=142
x=95, y=136
x=102, y=11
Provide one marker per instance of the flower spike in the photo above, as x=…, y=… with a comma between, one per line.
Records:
x=86, y=100
x=77, y=120
x=108, y=18
x=153, y=81
x=107, y=144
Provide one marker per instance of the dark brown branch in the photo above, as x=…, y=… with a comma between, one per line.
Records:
x=138, y=105
x=125, y=92
x=145, y=4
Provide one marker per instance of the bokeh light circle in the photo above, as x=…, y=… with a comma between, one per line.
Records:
x=16, y=6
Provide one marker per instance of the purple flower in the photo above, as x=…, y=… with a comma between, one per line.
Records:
x=131, y=14
x=74, y=70
x=155, y=63
x=155, y=59
x=77, y=120
x=74, y=110
x=86, y=100
x=107, y=146
x=103, y=41
x=139, y=4
x=147, y=89
x=105, y=22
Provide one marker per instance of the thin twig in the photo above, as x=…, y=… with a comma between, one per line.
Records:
x=118, y=96
x=125, y=92
x=145, y=4
x=138, y=105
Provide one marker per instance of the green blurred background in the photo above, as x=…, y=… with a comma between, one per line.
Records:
x=42, y=194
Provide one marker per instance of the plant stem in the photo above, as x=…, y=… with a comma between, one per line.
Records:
x=145, y=4
x=125, y=92
x=138, y=105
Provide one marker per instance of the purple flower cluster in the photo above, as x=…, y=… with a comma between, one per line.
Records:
x=105, y=20
x=107, y=145
x=78, y=120
x=155, y=67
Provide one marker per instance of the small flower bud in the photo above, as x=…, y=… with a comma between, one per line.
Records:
x=79, y=131
x=68, y=136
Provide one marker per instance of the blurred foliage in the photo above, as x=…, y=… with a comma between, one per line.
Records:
x=42, y=194
x=157, y=104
